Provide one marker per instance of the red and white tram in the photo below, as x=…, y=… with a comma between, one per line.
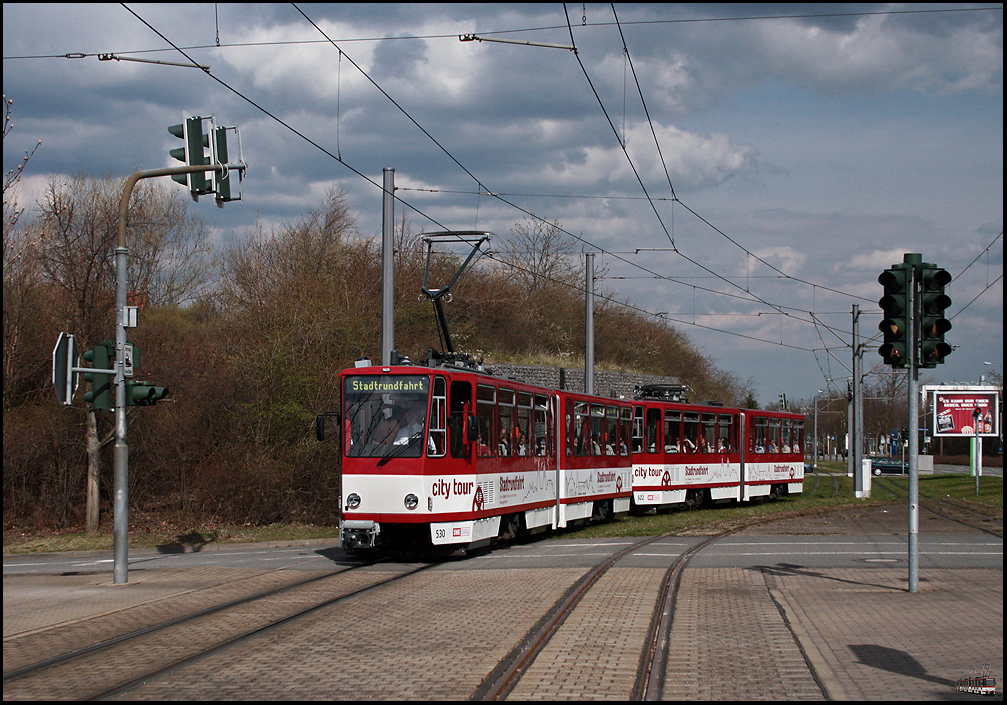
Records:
x=452, y=457
x=691, y=454
x=449, y=456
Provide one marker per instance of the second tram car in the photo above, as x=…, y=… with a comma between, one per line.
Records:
x=692, y=454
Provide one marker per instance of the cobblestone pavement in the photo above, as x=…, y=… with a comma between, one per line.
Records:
x=779, y=632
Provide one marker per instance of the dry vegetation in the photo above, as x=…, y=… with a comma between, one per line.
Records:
x=248, y=339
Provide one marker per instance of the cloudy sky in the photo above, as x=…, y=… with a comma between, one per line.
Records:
x=744, y=170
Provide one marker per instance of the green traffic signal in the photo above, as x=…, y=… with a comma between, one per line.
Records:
x=897, y=282
x=100, y=394
x=933, y=324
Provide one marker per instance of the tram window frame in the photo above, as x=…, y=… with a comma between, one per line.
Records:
x=774, y=434
x=544, y=440
x=709, y=432
x=652, y=430
x=637, y=432
x=523, y=420
x=597, y=440
x=505, y=415
x=461, y=406
x=486, y=411
x=757, y=435
x=610, y=437
x=579, y=430
x=437, y=446
x=625, y=429
x=690, y=432
x=725, y=433
x=672, y=430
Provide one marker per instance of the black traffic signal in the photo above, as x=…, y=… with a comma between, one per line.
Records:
x=933, y=324
x=192, y=154
x=101, y=357
x=897, y=282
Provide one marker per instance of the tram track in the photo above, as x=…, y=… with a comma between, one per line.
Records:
x=945, y=510
x=109, y=667
x=649, y=682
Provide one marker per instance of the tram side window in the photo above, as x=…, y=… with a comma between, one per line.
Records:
x=708, y=438
x=610, y=440
x=773, y=438
x=543, y=427
x=438, y=419
x=651, y=430
x=486, y=414
x=690, y=432
x=785, y=440
x=638, y=430
x=672, y=431
x=760, y=436
x=505, y=440
x=521, y=444
x=725, y=434
x=580, y=429
x=461, y=404
x=625, y=429
x=798, y=438
x=597, y=429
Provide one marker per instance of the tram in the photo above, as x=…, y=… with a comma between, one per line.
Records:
x=449, y=456
x=442, y=454
x=694, y=454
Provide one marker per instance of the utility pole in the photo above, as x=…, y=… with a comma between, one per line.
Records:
x=589, y=323
x=388, y=268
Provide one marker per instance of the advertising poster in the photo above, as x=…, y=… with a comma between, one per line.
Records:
x=954, y=413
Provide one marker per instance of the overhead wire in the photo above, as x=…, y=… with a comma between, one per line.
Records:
x=475, y=179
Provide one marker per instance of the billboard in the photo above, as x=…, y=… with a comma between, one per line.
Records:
x=954, y=413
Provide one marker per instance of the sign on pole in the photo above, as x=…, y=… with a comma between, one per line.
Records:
x=64, y=359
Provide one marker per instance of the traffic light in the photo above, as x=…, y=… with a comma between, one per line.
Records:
x=897, y=282
x=144, y=393
x=101, y=357
x=222, y=183
x=192, y=154
x=933, y=324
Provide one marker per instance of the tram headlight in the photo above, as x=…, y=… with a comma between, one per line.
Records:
x=411, y=501
x=352, y=500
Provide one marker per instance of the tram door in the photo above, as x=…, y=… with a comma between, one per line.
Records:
x=460, y=418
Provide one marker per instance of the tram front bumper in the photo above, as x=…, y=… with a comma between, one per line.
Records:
x=355, y=534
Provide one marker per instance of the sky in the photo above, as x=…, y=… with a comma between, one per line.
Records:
x=744, y=171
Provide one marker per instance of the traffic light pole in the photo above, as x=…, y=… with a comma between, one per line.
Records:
x=120, y=455
x=914, y=442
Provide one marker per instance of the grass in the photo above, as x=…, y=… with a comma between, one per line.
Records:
x=167, y=538
x=957, y=489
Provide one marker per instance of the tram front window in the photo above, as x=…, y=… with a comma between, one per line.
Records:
x=385, y=415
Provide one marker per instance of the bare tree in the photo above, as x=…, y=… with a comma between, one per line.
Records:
x=78, y=219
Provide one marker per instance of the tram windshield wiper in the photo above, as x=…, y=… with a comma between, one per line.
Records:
x=400, y=448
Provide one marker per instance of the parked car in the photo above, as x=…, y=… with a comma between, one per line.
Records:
x=889, y=466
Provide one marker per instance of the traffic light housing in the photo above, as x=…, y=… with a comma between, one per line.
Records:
x=897, y=282
x=144, y=393
x=933, y=324
x=99, y=396
x=192, y=154
x=222, y=183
